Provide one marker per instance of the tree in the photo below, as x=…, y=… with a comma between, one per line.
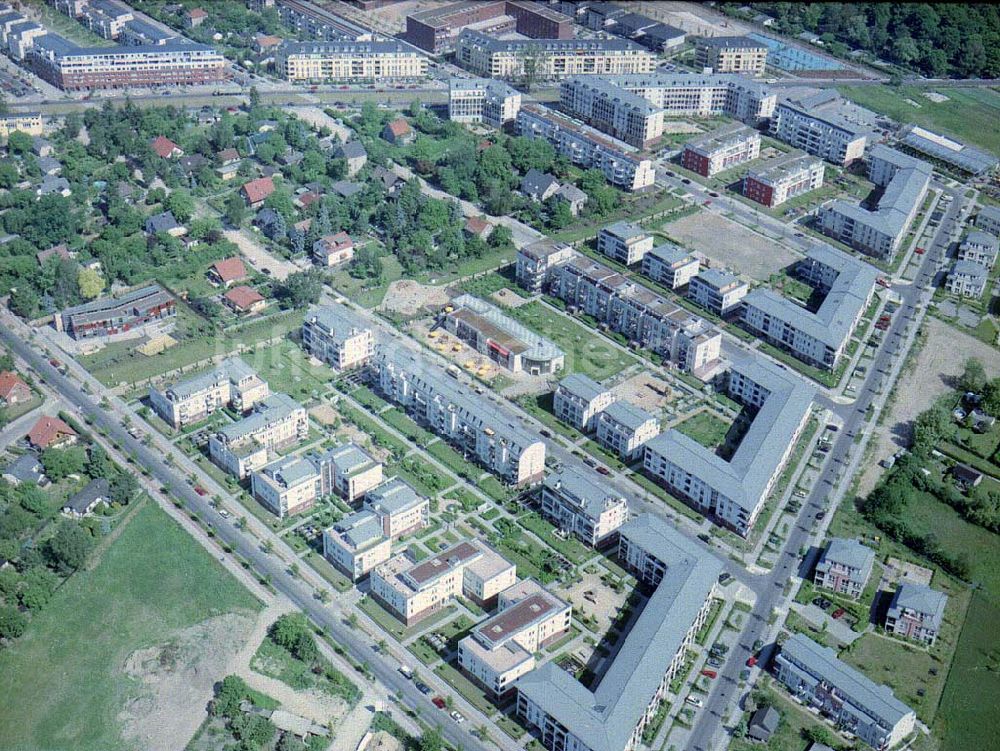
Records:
x=820, y=735
x=500, y=237
x=431, y=740
x=67, y=550
x=12, y=622
x=228, y=696
x=99, y=464
x=974, y=376
x=59, y=463
x=124, y=488
x=19, y=143
x=561, y=216
x=236, y=210
x=299, y=289
x=91, y=283
x=24, y=301
x=181, y=205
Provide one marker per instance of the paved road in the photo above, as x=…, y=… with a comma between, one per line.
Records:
x=263, y=564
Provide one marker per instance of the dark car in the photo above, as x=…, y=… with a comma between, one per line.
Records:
x=422, y=687
x=545, y=433
x=686, y=180
x=603, y=471
x=820, y=515
x=713, y=194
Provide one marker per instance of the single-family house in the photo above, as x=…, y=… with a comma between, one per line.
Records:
x=227, y=271
x=165, y=223
x=12, y=389
x=476, y=226
x=539, y=186
x=244, y=300
x=26, y=469
x=763, y=723
x=352, y=152
x=195, y=17
x=165, y=148
x=256, y=191
x=59, y=250
x=398, y=132
x=50, y=432
x=332, y=250
x=81, y=504
x=572, y=195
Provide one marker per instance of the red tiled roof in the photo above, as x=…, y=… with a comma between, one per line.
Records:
x=164, y=147
x=268, y=40
x=399, y=127
x=476, y=225
x=259, y=189
x=56, y=250
x=9, y=380
x=230, y=269
x=197, y=13
x=308, y=199
x=243, y=297
x=47, y=430
x=339, y=241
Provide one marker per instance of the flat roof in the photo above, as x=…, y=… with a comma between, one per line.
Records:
x=448, y=560
x=786, y=166
x=393, y=497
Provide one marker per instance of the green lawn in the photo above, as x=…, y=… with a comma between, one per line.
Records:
x=277, y=662
x=706, y=428
x=407, y=426
x=586, y=352
x=475, y=695
x=571, y=548
x=287, y=369
x=366, y=292
x=453, y=460
x=62, y=682
x=788, y=737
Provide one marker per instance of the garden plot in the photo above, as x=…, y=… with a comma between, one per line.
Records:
x=409, y=298
x=646, y=392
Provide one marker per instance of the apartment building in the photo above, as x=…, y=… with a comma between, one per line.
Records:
x=25, y=122
x=624, y=242
x=612, y=110
x=106, y=18
x=578, y=504
x=613, y=715
x=287, y=486
x=399, y=507
x=717, y=291
x=110, y=316
x=314, y=22
x=231, y=384
x=413, y=590
x=338, y=336
x=844, y=567
x=501, y=649
x=482, y=100
x=988, y=220
x=536, y=261
x=548, y=59
x=633, y=310
x=880, y=231
x=356, y=544
x=816, y=124
x=818, y=338
x=788, y=176
x=242, y=447
x=967, y=279
x=814, y=675
x=624, y=429
x=478, y=426
x=374, y=62
x=734, y=491
x=670, y=265
x=916, y=612
x=720, y=150
x=347, y=471
x=578, y=399
x=979, y=247
x=507, y=342
x=730, y=55
x=584, y=147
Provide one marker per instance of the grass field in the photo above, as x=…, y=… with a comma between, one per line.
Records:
x=969, y=114
x=365, y=292
x=62, y=682
x=585, y=351
x=706, y=428
x=286, y=368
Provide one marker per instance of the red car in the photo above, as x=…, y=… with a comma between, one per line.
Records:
x=438, y=702
x=920, y=251
x=838, y=613
x=200, y=490
x=709, y=673
x=883, y=281
x=603, y=471
x=751, y=661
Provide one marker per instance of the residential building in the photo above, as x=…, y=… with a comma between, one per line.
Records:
x=624, y=429
x=27, y=469
x=476, y=226
x=244, y=300
x=230, y=384
x=539, y=186
x=967, y=279
x=413, y=590
x=502, y=648
x=507, y=342
x=624, y=242
x=879, y=232
x=227, y=271
x=536, y=261
x=730, y=55
x=13, y=390
x=718, y=291
x=844, y=567
x=257, y=191
x=734, y=490
x=242, y=447
x=988, y=220
x=586, y=148
x=574, y=197
x=398, y=132
x=980, y=247
x=399, y=507
x=164, y=148
x=25, y=122
x=338, y=336
x=952, y=154
x=347, y=471
x=108, y=316
x=817, y=337
x=313, y=21
x=720, y=150
x=788, y=176
x=578, y=399
x=356, y=544
x=817, y=124
x=287, y=486
x=475, y=425
x=579, y=504
x=613, y=715
x=333, y=250
x=84, y=502
x=482, y=100
x=50, y=433
x=490, y=57
x=916, y=612
x=612, y=110
x=847, y=697
x=376, y=62
x=352, y=152
x=670, y=265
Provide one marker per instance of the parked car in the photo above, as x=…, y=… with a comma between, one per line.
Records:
x=200, y=490
x=709, y=673
x=751, y=661
x=714, y=662
x=545, y=433
x=458, y=717
x=590, y=462
x=438, y=702
x=838, y=613
x=603, y=471
x=422, y=687
x=820, y=515
x=694, y=701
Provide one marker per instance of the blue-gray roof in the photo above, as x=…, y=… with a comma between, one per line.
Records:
x=536, y=347
x=233, y=369
x=338, y=321
x=982, y=239
x=669, y=254
x=351, y=150
x=582, y=386
x=615, y=93
x=975, y=271
x=393, y=497
x=736, y=42
x=95, y=489
x=341, y=47
x=624, y=230
x=717, y=278
x=850, y=553
x=360, y=529
x=163, y=222
x=585, y=489
x=920, y=599
x=542, y=46
x=290, y=471
x=948, y=150
x=26, y=468
x=627, y=414
x=273, y=409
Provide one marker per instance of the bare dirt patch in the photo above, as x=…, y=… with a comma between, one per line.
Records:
x=730, y=244
x=646, y=392
x=258, y=256
x=681, y=126
x=410, y=298
x=382, y=741
x=175, y=681
x=594, y=597
x=324, y=414
x=317, y=118
x=509, y=298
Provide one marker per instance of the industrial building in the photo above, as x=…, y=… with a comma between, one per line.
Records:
x=435, y=30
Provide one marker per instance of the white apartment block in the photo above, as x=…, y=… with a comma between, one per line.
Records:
x=550, y=58
x=612, y=110
x=231, y=384
x=482, y=100
x=844, y=567
x=411, y=591
x=356, y=544
x=624, y=242
x=730, y=55
x=26, y=122
x=536, y=261
x=624, y=429
x=717, y=291
x=474, y=424
x=338, y=336
x=578, y=399
x=347, y=471
x=580, y=505
x=721, y=150
x=378, y=62
x=245, y=446
x=979, y=247
x=670, y=265
x=778, y=180
x=967, y=279
x=400, y=508
x=816, y=124
x=287, y=486
x=916, y=612
x=583, y=146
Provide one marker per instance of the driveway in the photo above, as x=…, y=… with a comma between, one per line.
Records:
x=258, y=256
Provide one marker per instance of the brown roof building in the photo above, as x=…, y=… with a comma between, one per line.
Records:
x=56, y=250
x=166, y=148
x=256, y=191
x=12, y=389
x=398, y=132
x=51, y=432
x=244, y=299
x=227, y=271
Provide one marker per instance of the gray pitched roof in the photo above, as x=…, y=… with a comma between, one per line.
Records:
x=536, y=183
x=585, y=489
x=627, y=414
x=163, y=222
x=25, y=468
x=582, y=386
x=351, y=150
x=849, y=553
x=392, y=497
x=920, y=599
x=79, y=502
x=360, y=529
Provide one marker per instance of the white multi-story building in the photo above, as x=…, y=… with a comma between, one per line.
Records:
x=788, y=176
x=536, y=261
x=231, y=384
x=400, y=508
x=580, y=505
x=717, y=291
x=916, y=612
x=624, y=242
x=670, y=265
x=624, y=429
x=721, y=150
x=980, y=247
x=347, y=471
x=578, y=399
x=967, y=279
x=338, y=336
x=379, y=62
x=287, y=486
x=730, y=55
x=245, y=446
x=844, y=567
x=817, y=125
x=356, y=544
x=482, y=100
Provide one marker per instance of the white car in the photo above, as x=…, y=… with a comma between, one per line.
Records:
x=458, y=717
x=694, y=701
